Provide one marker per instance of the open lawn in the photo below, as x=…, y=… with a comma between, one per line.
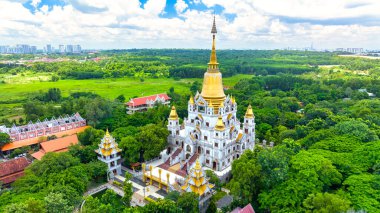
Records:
x=17, y=88
x=110, y=88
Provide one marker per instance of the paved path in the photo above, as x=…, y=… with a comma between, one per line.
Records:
x=103, y=187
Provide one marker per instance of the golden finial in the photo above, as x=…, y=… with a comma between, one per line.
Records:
x=173, y=114
x=107, y=133
x=191, y=101
x=219, y=124
x=197, y=165
x=213, y=64
x=249, y=112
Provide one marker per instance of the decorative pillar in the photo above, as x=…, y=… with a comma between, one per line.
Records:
x=151, y=176
x=159, y=175
x=167, y=176
x=143, y=170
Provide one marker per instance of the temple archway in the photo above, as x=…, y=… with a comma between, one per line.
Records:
x=188, y=148
x=214, y=164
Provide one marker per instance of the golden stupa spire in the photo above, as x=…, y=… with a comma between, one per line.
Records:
x=173, y=114
x=107, y=133
x=213, y=64
x=249, y=112
x=219, y=124
x=212, y=88
x=191, y=100
x=196, y=181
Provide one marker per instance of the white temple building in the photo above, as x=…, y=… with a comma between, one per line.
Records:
x=109, y=153
x=211, y=132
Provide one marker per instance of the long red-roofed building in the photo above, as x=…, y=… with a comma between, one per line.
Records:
x=144, y=103
x=12, y=169
x=57, y=145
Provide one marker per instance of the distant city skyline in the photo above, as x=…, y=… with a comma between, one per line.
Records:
x=243, y=24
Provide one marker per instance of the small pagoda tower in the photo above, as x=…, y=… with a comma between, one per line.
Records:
x=109, y=153
x=196, y=181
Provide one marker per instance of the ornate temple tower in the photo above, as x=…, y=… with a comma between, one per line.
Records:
x=109, y=153
x=197, y=182
x=211, y=132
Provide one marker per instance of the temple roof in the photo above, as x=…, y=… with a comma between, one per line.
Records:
x=196, y=181
x=191, y=101
x=249, y=112
x=219, y=124
x=108, y=146
x=212, y=88
x=173, y=114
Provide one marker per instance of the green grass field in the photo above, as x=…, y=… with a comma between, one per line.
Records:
x=17, y=88
x=109, y=88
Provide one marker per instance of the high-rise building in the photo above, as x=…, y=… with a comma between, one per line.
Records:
x=48, y=49
x=62, y=48
x=77, y=49
x=69, y=48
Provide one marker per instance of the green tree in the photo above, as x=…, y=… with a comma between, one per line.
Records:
x=364, y=191
x=246, y=173
x=356, y=128
x=167, y=206
x=120, y=98
x=214, y=179
x=4, y=139
x=153, y=139
x=188, y=202
x=325, y=203
x=55, y=203
x=90, y=136
x=212, y=207
x=31, y=205
x=131, y=148
x=127, y=188
x=53, y=94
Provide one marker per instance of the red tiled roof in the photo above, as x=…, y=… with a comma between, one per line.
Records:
x=12, y=169
x=142, y=100
x=57, y=145
x=247, y=209
x=38, y=155
x=31, y=141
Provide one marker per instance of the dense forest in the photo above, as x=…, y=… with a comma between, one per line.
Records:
x=324, y=121
x=179, y=63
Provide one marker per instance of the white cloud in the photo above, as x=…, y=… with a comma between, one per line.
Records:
x=35, y=3
x=257, y=24
x=180, y=6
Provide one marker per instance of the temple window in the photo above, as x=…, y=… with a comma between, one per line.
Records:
x=216, y=144
x=205, y=137
x=207, y=152
x=207, y=124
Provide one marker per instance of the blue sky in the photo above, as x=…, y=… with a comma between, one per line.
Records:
x=242, y=24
